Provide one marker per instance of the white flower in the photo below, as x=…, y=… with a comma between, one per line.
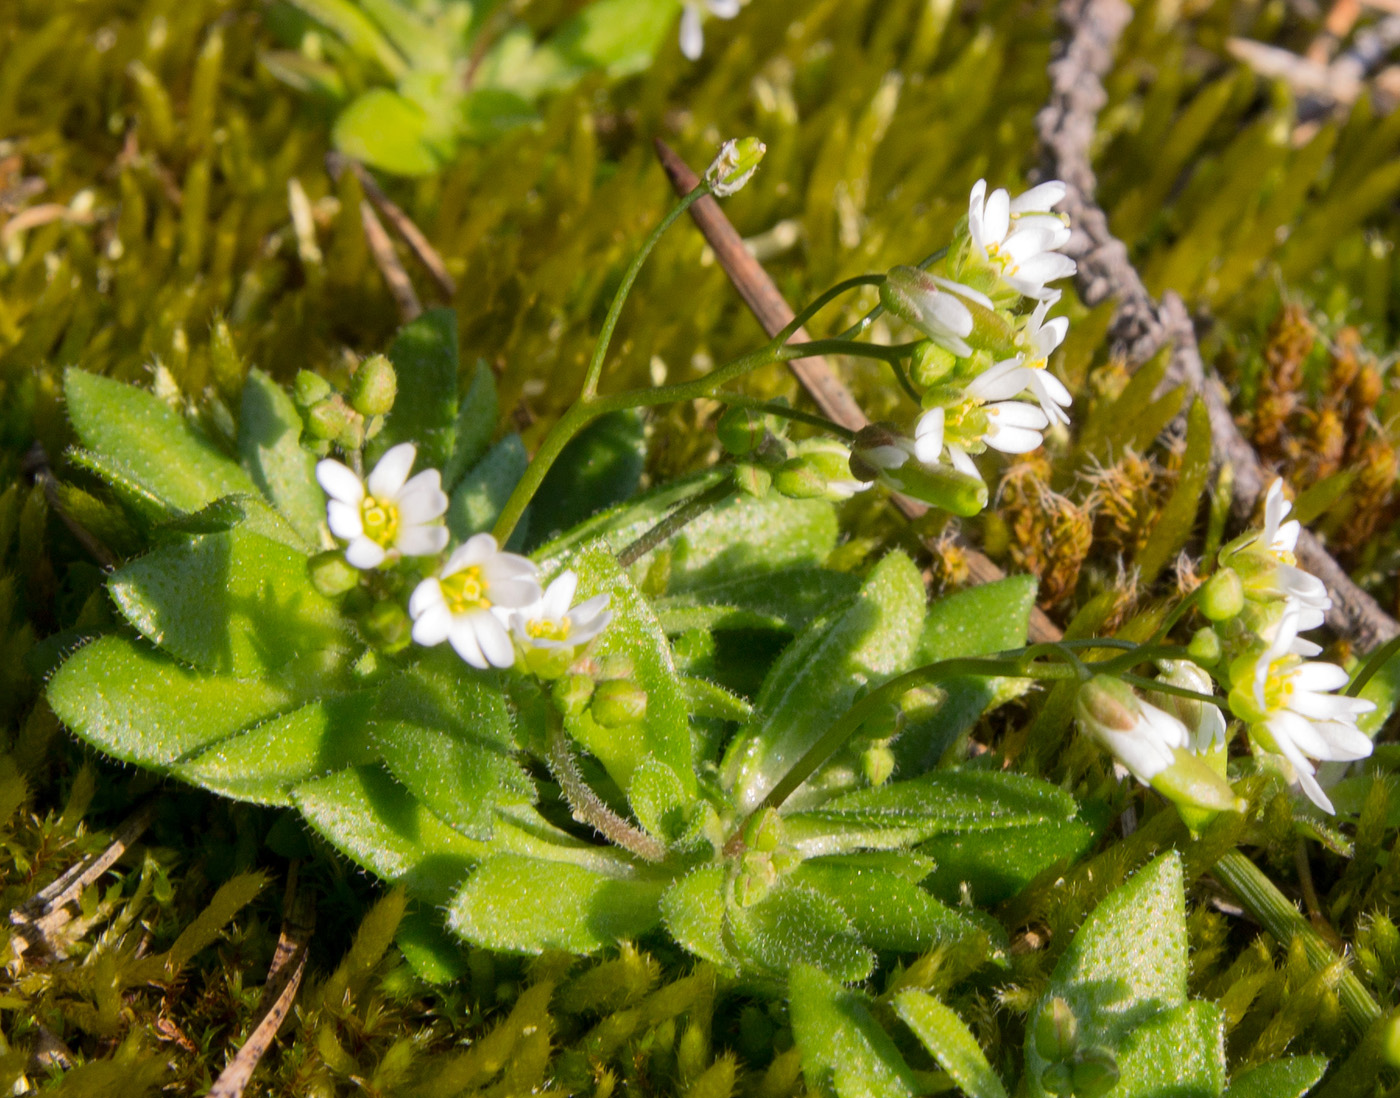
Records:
x=1139, y=735
x=457, y=604
x=1042, y=339
x=1291, y=709
x=1274, y=573
x=552, y=623
x=692, y=32
x=1020, y=237
x=936, y=306
x=388, y=515
x=1204, y=722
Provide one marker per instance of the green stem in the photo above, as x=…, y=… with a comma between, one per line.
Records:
x=785, y=411
x=1378, y=659
x=573, y=421
x=600, y=349
x=822, y=301
x=1177, y=613
x=1267, y=904
x=1143, y=653
x=676, y=521
x=1168, y=688
x=832, y=739
x=905, y=384
x=588, y=808
x=869, y=318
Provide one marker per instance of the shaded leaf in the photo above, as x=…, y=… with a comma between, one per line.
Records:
x=601, y=466
x=844, y=1050
x=481, y=495
x=269, y=444
x=793, y=925
x=424, y=354
x=1291, y=1077
x=952, y=1044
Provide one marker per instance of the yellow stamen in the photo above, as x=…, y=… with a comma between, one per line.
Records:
x=543, y=629
x=465, y=590
x=380, y=519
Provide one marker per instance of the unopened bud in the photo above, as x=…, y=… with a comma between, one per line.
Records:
x=764, y=831
x=374, y=386
x=1205, y=646
x=329, y=418
x=1105, y=701
x=387, y=623
x=939, y=486
x=821, y=471
x=735, y=164
x=310, y=388
x=1056, y=1031
x=741, y=430
x=752, y=480
x=616, y=665
x=332, y=574
x=1058, y=1079
x=1095, y=1072
x=572, y=694
x=617, y=702
x=931, y=364
x=877, y=763
x=754, y=880
x=1223, y=597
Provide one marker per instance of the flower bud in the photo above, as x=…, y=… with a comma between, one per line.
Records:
x=572, y=693
x=939, y=486
x=374, y=386
x=754, y=879
x=1056, y=1031
x=1058, y=1079
x=331, y=574
x=1223, y=597
x=764, y=831
x=388, y=624
x=735, y=164
x=1094, y=1072
x=617, y=702
x=1203, y=720
x=931, y=364
x=310, y=388
x=1205, y=646
x=821, y=471
x=752, y=480
x=877, y=763
x=741, y=430
x=329, y=419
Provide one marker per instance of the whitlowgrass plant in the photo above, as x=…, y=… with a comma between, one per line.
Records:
x=669, y=715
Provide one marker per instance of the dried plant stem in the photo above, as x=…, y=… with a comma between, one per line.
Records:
x=676, y=521
x=1141, y=327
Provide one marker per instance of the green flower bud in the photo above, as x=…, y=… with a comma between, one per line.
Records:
x=1058, y=1080
x=752, y=480
x=741, y=430
x=764, y=831
x=572, y=694
x=617, y=702
x=329, y=418
x=1223, y=597
x=1056, y=1031
x=821, y=471
x=1094, y=1072
x=735, y=164
x=753, y=879
x=1390, y=1041
x=310, y=388
x=1197, y=790
x=877, y=763
x=388, y=624
x=931, y=364
x=331, y=574
x=374, y=386
x=939, y=486
x=1205, y=647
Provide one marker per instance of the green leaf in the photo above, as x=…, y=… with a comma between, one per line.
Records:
x=996, y=865
x=601, y=466
x=694, y=911
x=424, y=354
x=1126, y=963
x=744, y=539
x=387, y=131
x=946, y=801
x=356, y=30
x=952, y=1044
x=379, y=824
x=125, y=483
x=446, y=735
x=795, y=925
x=976, y=621
x=634, y=634
x=527, y=906
x=1180, y=1052
x=1178, y=517
x=269, y=443
x=149, y=442
x=141, y=706
x=789, y=599
x=235, y=601
x=619, y=36
x=435, y=955
x=816, y=679
x=263, y=763
x=844, y=1050
x=480, y=495
x=887, y=910
x=658, y=799
x=1291, y=1077
x=476, y=423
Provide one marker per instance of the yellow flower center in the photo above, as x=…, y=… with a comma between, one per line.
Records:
x=1037, y=364
x=1283, y=556
x=465, y=590
x=1278, y=687
x=543, y=629
x=380, y=519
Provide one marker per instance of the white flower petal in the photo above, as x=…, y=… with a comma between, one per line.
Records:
x=997, y=216
x=344, y=519
x=391, y=472
x=1043, y=196
x=463, y=640
x=1002, y=381
x=928, y=436
x=961, y=462
x=432, y=626
x=723, y=9
x=364, y=553
x=426, y=595
x=422, y=498
x=559, y=595
x=964, y=291
x=1319, y=676
x=421, y=541
x=495, y=642
x=339, y=482
x=513, y=593
x=692, y=33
